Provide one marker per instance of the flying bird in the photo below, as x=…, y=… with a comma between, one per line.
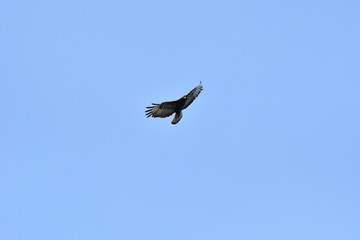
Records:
x=166, y=109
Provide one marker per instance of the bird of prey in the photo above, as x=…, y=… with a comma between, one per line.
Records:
x=166, y=109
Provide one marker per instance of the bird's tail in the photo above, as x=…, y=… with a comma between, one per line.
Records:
x=177, y=118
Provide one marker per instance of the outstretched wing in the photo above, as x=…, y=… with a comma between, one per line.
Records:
x=166, y=109
x=190, y=97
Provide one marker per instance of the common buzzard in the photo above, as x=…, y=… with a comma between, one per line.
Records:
x=166, y=109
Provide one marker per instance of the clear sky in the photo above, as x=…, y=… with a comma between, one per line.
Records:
x=269, y=150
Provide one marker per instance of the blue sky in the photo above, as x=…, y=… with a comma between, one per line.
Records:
x=269, y=150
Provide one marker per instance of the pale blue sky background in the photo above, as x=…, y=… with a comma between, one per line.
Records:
x=269, y=150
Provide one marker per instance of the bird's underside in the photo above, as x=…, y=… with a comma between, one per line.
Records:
x=166, y=109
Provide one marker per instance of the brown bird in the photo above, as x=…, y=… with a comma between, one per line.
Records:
x=166, y=109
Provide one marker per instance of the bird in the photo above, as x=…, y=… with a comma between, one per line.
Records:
x=166, y=109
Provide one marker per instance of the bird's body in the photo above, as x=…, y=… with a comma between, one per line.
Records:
x=166, y=109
